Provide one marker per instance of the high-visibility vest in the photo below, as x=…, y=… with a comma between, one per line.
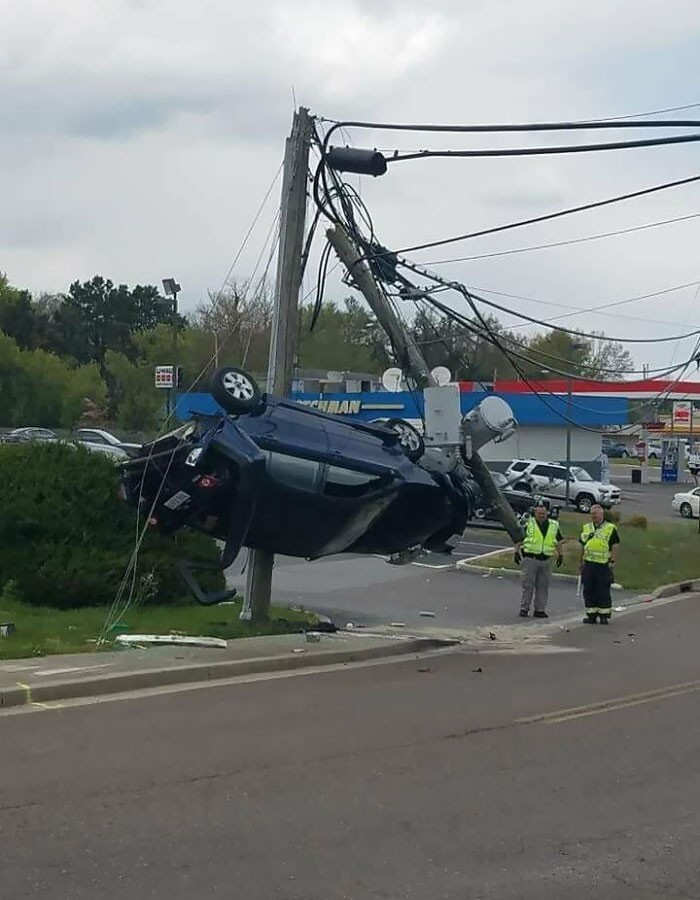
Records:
x=596, y=542
x=537, y=543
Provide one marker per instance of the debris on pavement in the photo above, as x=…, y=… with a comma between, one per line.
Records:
x=477, y=671
x=397, y=624
x=427, y=614
x=313, y=637
x=492, y=636
x=299, y=650
x=144, y=640
x=619, y=609
x=426, y=671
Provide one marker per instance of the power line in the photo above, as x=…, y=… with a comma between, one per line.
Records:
x=544, y=151
x=550, y=216
x=578, y=310
x=581, y=240
x=461, y=288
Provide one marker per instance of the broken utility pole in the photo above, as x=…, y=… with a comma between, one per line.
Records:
x=284, y=323
x=409, y=358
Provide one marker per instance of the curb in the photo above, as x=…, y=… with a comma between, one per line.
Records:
x=100, y=685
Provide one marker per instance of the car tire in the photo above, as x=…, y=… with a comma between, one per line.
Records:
x=523, y=486
x=584, y=502
x=686, y=510
x=410, y=439
x=652, y=456
x=624, y=454
x=480, y=513
x=235, y=390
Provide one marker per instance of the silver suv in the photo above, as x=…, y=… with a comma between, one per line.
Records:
x=549, y=479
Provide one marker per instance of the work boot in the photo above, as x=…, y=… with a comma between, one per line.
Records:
x=590, y=620
x=541, y=614
x=524, y=613
x=604, y=619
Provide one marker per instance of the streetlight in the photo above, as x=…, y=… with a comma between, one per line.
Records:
x=172, y=289
x=573, y=347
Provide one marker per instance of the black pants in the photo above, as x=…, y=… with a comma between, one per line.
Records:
x=596, y=579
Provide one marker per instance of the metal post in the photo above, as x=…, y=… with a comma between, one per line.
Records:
x=284, y=321
x=410, y=359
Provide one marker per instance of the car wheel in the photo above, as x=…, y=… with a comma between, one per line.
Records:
x=584, y=502
x=686, y=511
x=652, y=456
x=235, y=390
x=523, y=486
x=480, y=513
x=624, y=454
x=410, y=438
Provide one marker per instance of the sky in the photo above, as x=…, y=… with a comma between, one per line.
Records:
x=140, y=137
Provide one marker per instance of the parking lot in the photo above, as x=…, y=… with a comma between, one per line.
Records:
x=651, y=498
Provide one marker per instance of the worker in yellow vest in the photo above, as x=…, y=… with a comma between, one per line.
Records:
x=599, y=542
x=534, y=554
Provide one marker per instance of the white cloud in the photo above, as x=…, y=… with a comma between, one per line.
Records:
x=141, y=135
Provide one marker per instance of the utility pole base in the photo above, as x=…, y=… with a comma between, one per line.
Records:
x=258, y=586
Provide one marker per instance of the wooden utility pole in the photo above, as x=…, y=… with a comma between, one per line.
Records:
x=284, y=323
x=409, y=357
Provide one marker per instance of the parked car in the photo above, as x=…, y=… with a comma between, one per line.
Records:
x=615, y=449
x=285, y=478
x=520, y=501
x=105, y=439
x=648, y=449
x=115, y=453
x=550, y=478
x=22, y=435
x=687, y=503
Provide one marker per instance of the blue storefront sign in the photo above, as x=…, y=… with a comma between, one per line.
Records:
x=528, y=409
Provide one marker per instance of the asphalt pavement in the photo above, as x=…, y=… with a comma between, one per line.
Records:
x=369, y=591
x=571, y=773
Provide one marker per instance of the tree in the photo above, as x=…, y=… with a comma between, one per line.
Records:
x=39, y=388
x=608, y=360
x=18, y=318
x=238, y=320
x=581, y=356
x=96, y=316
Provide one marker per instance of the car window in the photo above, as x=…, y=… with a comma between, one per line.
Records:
x=349, y=483
x=580, y=474
x=92, y=436
x=546, y=472
x=519, y=466
x=294, y=471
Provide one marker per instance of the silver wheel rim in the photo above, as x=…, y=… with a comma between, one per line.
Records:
x=407, y=437
x=238, y=386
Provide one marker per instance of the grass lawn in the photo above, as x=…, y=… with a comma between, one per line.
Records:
x=42, y=631
x=663, y=553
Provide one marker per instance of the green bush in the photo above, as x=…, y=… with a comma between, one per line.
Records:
x=637, y=522
x=612, y=515
x=66, y=538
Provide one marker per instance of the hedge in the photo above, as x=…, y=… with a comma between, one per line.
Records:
x=66, y=538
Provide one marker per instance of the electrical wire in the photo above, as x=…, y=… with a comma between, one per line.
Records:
x=543, y=151
x=581, y=240
x=597, y=309
x=548, y=217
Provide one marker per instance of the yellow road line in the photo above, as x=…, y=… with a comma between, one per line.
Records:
x=604, y=706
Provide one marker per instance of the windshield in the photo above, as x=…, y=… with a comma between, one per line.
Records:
x=580, y=474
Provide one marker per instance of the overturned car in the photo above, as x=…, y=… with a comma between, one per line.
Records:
x=273, y=475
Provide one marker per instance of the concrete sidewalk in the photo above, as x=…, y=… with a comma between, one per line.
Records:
x=31, y=681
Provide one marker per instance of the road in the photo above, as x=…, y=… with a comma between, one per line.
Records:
x=368, y=591
x=456, y=775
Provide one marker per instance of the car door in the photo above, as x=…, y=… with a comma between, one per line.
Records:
x=542, y=479
x=558, y=476
x=695, y=502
